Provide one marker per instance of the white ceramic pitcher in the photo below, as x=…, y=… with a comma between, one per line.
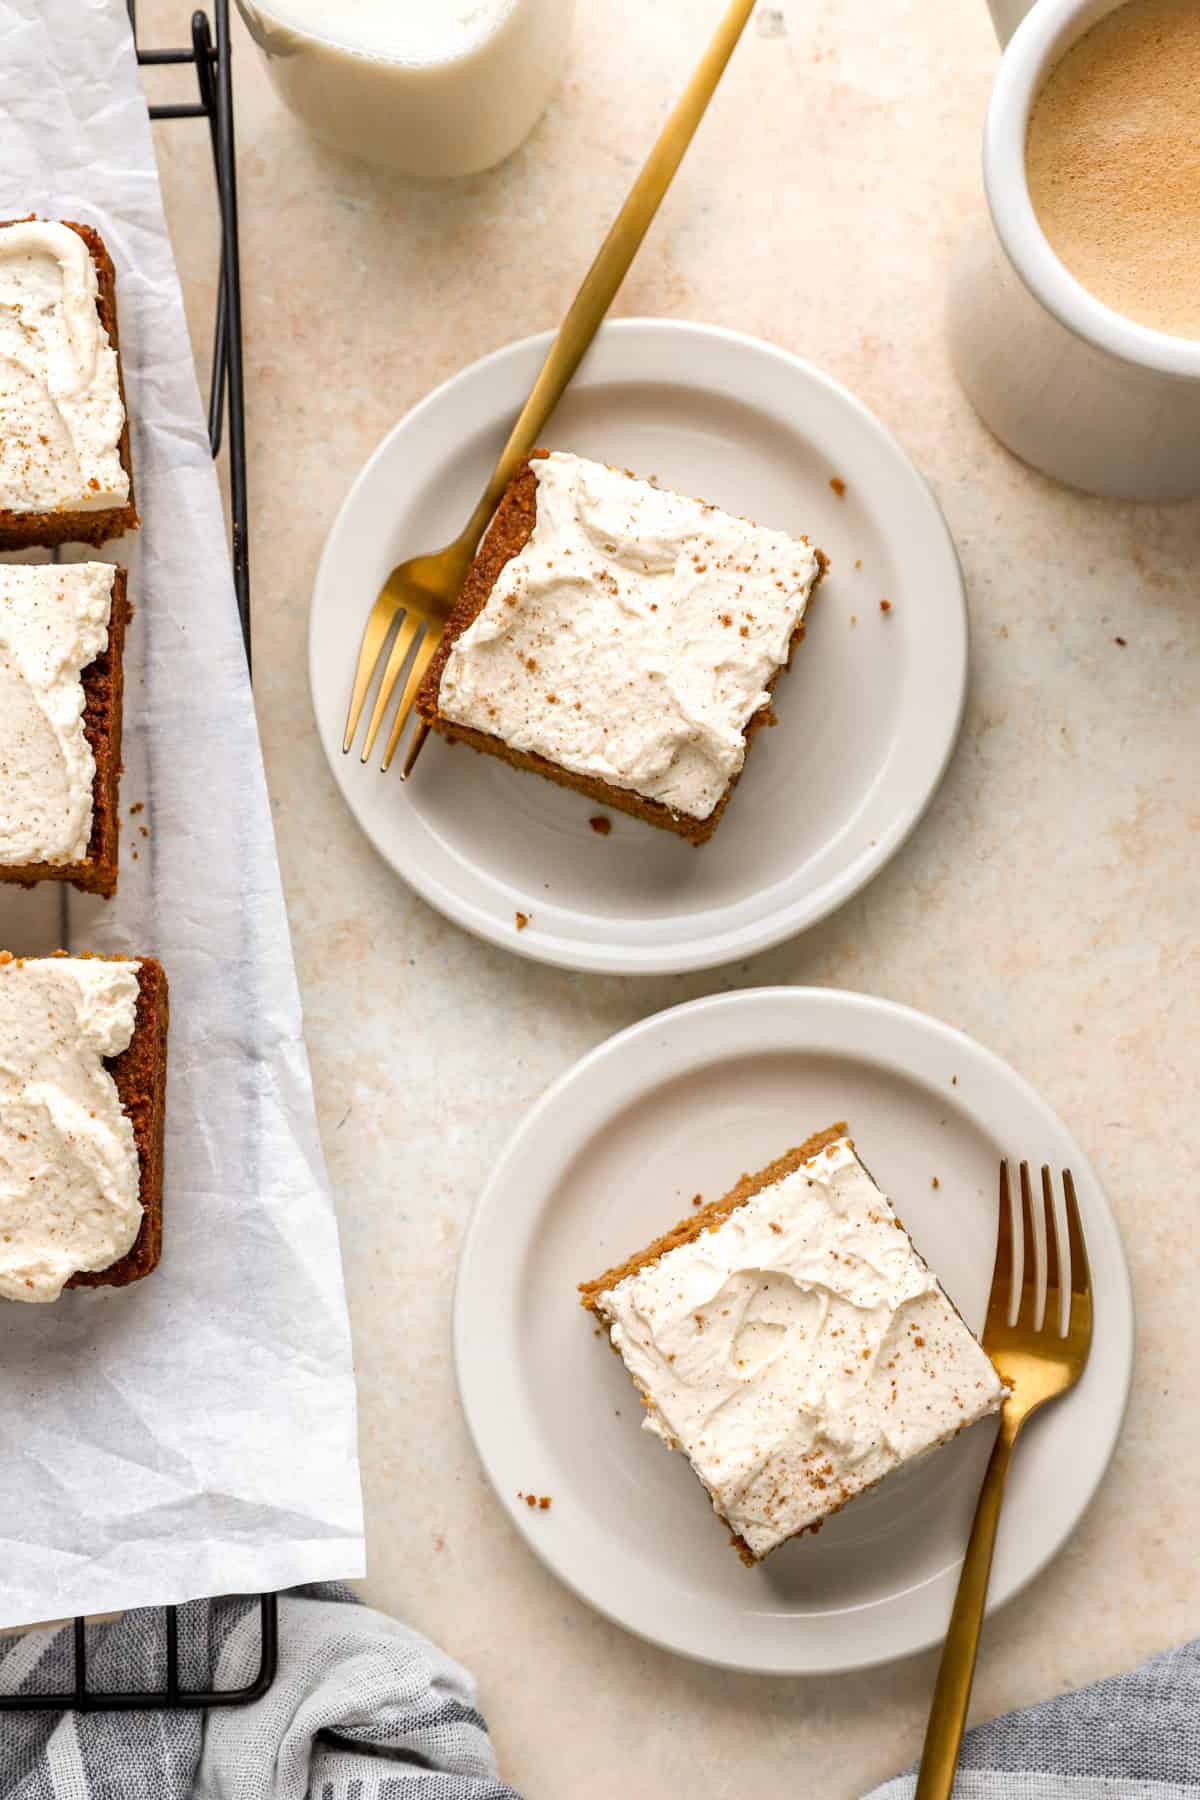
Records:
x=363, y=78
x=1071, y=386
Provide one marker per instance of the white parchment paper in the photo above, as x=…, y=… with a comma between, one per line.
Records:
x=194, y=1433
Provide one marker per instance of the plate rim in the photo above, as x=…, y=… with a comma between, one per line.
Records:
x=724, y=944
x=801, y=999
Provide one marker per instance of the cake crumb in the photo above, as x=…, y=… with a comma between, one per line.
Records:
x=854, y=618
x=935, y=1182
x=139, y=806
x=858, y=562
x=1121, y=641
x=544, y=1503
x=600, y=825
x=885, y=606
x=522, y=918
x=697, y=1199
x=953, y=1083
x=838, y=486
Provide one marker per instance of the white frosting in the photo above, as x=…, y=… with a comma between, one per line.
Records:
x=633, y=637
x=61, y=414
x=69, y=1168
x=799, y=1351
x=53, y=623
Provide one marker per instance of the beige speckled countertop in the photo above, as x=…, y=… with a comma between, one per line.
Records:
x=1047, y=904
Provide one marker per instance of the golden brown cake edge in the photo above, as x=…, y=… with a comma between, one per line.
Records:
x=707, y=1218
x=140, y=1075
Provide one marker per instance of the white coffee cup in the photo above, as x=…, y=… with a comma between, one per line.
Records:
x=1068, y=384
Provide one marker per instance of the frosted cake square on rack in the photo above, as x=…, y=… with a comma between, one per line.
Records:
x=792, y=1343
x=621, y=639
x=62, y=638
x=65, y=472
x=83, y=1073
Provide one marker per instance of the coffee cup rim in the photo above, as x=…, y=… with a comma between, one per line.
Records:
x=1044, y=35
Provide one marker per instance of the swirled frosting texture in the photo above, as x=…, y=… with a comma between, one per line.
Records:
x=61, y=413
x=53, y=622
x=799, y=1351
x=633, y=637
x=69, y=1170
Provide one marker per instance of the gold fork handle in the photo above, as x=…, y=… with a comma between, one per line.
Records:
x=956, y=1671
x=612, y=261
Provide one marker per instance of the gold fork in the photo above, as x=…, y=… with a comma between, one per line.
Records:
x=1039, y=1358
x=419, y=593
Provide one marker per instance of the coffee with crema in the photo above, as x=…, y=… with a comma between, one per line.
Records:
x=1113, y=160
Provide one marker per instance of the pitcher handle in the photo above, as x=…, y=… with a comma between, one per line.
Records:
x=1007, y=15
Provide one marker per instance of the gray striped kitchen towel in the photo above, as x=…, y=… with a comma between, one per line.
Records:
x=1131, y=1737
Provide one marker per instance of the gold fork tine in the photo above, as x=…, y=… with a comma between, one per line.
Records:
x=414, y=749
x=410, y=625
x=1081, y=1275
x=374, y=637
x=426, y=651
x=1000, y=1299
x=1027, y=1312
x=1052, y=1320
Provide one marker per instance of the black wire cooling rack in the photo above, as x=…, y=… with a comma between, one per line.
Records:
x=214, y=78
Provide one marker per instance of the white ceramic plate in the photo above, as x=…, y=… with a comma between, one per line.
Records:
x=610, y=1157
x=868, y=715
